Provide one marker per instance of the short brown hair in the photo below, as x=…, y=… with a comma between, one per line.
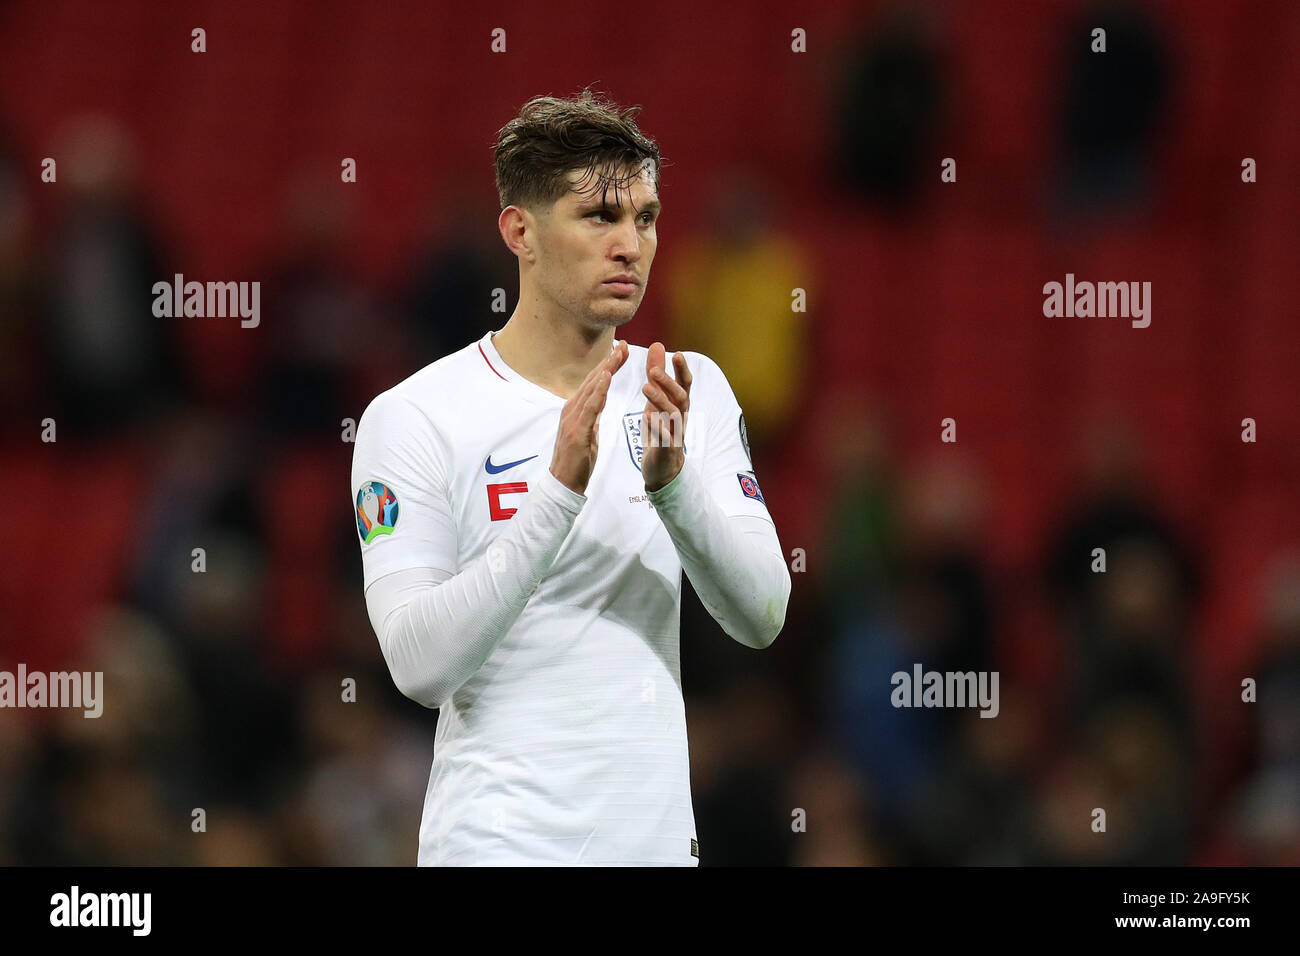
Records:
x=553, y=137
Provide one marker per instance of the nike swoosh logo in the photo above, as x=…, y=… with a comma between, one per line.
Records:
x=497, y=469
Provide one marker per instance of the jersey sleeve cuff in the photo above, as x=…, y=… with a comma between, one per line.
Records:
x=683, y=483
x=556, y=491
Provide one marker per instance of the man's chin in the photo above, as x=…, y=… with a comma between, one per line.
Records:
x=611, y=318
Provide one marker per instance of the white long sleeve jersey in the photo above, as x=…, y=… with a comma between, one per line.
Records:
x=545, y=624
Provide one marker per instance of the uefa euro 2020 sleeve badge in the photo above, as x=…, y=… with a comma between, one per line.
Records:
x=376, y=511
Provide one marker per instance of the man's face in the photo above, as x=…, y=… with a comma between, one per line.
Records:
x=592, y=236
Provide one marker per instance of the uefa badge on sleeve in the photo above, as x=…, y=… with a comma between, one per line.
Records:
x=749, y=485
x=376, y=511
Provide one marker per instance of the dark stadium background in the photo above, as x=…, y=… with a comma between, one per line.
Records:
x=817, y=170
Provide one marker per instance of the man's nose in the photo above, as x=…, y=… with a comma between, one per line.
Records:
x=627, y=242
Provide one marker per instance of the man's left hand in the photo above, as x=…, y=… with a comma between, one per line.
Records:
x=663, y=423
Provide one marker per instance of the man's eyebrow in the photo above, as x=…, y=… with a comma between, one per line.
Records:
x=652, y=205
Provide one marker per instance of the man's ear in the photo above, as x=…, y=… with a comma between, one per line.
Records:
x=517, y=229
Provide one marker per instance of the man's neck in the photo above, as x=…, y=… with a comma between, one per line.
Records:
x=556, y=355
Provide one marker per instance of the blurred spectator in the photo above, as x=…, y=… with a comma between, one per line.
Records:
x=1260, y=823
x=20, y=754
x=243, y=705
x=323, y=326
x=112, y=362
x=1113, y=105
x=354, y=806
x=449, y=288
x=22, y=379
x=986, y=815
x=1128, y=762
x=731, y=292
x=890, y=108
x=115, y=790
x=1126, y=628
x=201, y=480
x=861, y=543
x=836, y=830
x=1125, y=706
x=741, y=752
x=937, y=614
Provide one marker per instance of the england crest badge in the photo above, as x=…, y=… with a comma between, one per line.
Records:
x=635, y=443
x=634, y=431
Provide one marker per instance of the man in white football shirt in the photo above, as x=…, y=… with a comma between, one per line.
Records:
x=530, y=587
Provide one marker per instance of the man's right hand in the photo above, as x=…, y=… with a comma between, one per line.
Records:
x=576, y=438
